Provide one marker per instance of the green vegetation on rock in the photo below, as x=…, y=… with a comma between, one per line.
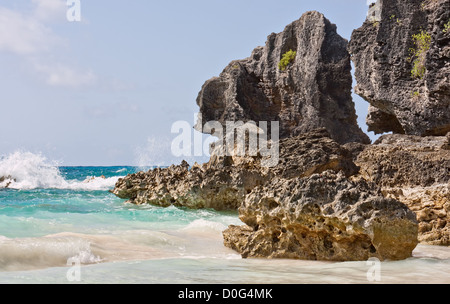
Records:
x=287, y=58
x=422, y=41
x=446, y=27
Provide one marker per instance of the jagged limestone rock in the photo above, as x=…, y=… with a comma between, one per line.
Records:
x=313, y=91
x=416, y=171
x=224, y=181
x=323, y=217
x=401, y=101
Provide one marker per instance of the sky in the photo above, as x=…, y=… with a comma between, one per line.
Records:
x=104, y=89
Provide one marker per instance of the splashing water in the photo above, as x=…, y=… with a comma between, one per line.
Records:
x=26, y=171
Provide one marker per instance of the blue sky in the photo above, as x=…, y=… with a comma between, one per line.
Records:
x=106, y=90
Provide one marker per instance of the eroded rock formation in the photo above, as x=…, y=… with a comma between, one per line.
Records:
x=224, y=181
x=416, y=171
x=314, y=91
x=323, y=217
x=408, y=93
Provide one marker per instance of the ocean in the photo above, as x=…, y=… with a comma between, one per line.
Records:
x=61, y=225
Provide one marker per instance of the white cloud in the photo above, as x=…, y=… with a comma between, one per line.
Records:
x=125, y=106
x=29, y=35
x=110, y=109
x=22, y=34
x=62, y=75
x=119, y=85
x=50, y=10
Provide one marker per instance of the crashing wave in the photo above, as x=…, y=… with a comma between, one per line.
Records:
x=27, y=171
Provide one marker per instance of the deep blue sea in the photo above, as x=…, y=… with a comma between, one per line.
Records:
x=62, y=225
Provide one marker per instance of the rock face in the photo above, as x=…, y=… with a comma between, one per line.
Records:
x=381, y=50
x=314, y=91
x=223, y=182
x=323, y=217
x=432, y=206
x=416, y=171
x=406, y=161
x=312, y=152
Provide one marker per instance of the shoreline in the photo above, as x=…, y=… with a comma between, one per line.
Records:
x=416, y=270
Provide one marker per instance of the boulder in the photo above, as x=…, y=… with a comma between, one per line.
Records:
x=323, y=217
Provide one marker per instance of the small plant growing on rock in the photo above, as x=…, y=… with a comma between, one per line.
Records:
x=422, y=41
x=393, y=17
x=446, y=27
x=422, y=6
x=287, y=58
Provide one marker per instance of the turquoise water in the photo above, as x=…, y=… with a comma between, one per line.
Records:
x=57, y=220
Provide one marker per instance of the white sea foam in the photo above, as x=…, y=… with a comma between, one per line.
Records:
x=92, y=183
x=25, y=171
x=35, y=253
x=202, y=224
x=57, y=250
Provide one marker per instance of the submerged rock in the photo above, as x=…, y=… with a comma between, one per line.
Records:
x=7, y=181
x=402, y=67
x=323, y=217
x=312, y=91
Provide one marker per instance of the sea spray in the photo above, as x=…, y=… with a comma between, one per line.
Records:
x=26, y=171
